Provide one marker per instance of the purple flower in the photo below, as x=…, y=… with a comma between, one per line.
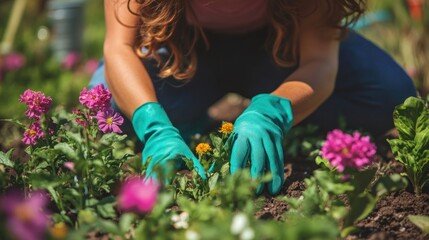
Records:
x=70, y=60
x=13, y=61
x=26, y=218
x=344, y=150
x=37, y=103
x=91, y=65
x=32, y=134
x=95, y=99
x=138, y=195
x=109, y=121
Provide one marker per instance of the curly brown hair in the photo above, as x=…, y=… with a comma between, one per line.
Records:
x=163, y=23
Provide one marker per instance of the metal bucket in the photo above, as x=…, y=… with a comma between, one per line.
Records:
x=67, y=23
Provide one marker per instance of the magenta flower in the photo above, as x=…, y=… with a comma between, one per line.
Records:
x=13, y=61
x=33, y=133
x=138, y=195
x=344, y=150
x=37, y=103
x=70, y=60
x=95, y=99
x=91, y=65
x=80, y=117
x=26, y=218
x=109, y=121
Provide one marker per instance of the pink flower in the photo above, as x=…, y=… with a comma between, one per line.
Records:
x=95, y=99
x=91, y=65
x=13, y=61
x=37, y=103
x=109, y=121
x=26, y=218
x=32, y=134
x=70, y=60
x=344, y=150
x=80, y=117
x=69, y=166
x=138, y=195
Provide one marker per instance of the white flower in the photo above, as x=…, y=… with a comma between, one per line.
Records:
x=192, y=235
x=247, y=234
x=239, y=223
x=180, y=221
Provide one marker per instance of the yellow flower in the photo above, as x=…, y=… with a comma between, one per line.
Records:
x=226, y=128
x=203, y=148
x=59, y=230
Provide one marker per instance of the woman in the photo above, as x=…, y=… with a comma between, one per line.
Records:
x=166, y=62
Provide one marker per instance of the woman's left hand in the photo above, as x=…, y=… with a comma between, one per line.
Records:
x=258, y=135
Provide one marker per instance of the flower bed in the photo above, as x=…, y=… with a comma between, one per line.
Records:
x=79, y=178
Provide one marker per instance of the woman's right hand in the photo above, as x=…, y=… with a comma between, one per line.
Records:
x=162, y=142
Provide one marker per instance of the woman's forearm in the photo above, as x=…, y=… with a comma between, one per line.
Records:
x=308, y=87
x=127, y=78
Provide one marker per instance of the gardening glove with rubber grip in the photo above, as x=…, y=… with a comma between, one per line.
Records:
x=161, y=140
x=258, y=135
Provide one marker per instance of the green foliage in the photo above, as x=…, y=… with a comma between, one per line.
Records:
x=89, y=185
x=421, y=222
x=411, y=119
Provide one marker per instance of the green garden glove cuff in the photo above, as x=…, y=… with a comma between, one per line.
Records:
x=161, y=140
x=258, y=136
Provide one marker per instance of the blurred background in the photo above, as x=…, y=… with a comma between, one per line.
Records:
x=53, y=46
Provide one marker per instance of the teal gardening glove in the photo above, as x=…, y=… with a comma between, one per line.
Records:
x=258, y=135
x=161, y=140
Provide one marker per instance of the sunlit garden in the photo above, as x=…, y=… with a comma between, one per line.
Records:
x=71, y=169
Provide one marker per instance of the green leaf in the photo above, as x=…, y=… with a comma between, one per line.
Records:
x=107, y=226
x=328, y=183
x=164, y=200
x=106, y=208
x=421, y=222
x=19, y=123
x=361, y=179
x=86, y=216
x=110, y=138
x=67, y=150
x=182, y=182
x=389, y=183
x=360, y=207
x=76, y=137
x=216, y=141
x=5, y=158
x=55, y=196
x=402, y=150
x=126, y=221
x=407, y=118
x=81, y=232
x=422, y=138
x=213, y=181
x=348, y=230
x=322, y=162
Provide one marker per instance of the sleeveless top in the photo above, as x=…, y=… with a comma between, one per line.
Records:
x=229, y=16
